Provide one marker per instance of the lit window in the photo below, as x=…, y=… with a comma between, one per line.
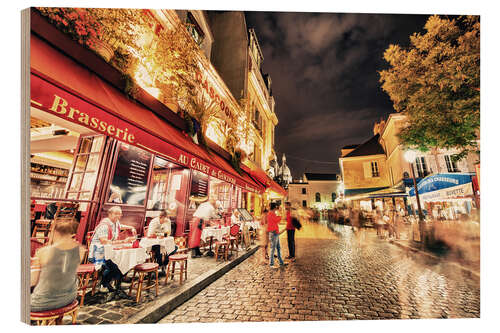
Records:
x=450, y=164
x=421, y=167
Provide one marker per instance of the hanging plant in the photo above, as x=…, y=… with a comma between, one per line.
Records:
x=75, y=22
x=130, y=87
x=236, y=161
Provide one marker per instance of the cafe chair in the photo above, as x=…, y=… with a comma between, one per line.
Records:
x=181, y=243
x=36, y=243
x=41, y=226
x=182, y=259
x=55, y=316
x=88, y=239
x=138, y=284
x=233, y=238
x=222, y=247
x=86, y=273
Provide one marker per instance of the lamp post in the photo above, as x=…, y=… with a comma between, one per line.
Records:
x=410, y=156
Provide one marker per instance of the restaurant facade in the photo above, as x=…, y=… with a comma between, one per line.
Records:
x=95, y=147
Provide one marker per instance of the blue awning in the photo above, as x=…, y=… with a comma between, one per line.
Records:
x=441, y=181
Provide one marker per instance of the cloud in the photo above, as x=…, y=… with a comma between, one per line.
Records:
x=324, y=69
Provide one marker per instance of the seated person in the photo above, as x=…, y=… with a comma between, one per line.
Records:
x=54, y=275
x=160, y=224
x=107, y=232
x=236, y=217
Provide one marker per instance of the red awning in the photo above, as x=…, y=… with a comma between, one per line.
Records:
x=260, y=176
x=62, y=87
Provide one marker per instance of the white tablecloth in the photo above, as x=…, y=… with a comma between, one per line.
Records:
x=167, y=244
x=125, y=259
x=217, y=233
x=255, y=224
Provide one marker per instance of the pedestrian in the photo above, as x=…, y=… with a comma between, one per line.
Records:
x=54, y=274
x=274, y=234
x=264, y=236
x=379, y=223
x=290, y=232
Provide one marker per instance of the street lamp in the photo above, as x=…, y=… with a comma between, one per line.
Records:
x=410, y=156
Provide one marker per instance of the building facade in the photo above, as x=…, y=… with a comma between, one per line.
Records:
x=106, y=130
x=377, y=176
x=319, y=191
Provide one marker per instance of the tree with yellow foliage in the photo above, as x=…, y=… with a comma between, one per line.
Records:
x=435, y=82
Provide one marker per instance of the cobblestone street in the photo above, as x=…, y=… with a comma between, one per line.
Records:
x=337, y=275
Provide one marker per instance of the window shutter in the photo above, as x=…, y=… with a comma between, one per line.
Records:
x=367, y=169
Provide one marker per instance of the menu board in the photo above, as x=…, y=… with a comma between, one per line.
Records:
x=199, y=185
x=131, y=176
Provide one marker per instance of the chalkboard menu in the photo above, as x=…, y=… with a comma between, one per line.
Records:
x=199, y=185
x=131, y=176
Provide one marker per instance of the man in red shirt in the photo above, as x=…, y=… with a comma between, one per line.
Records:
x=274, y=234
x=290, y=232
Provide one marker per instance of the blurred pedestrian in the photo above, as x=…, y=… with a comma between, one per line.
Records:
x=54, y=274
x=264, y=236
x=290, y=232
x=274, y=233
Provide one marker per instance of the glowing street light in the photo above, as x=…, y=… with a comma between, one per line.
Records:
x=410, y=156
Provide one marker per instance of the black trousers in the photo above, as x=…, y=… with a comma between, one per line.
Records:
x=110, y=272
x=291, y=242
x=158, y=256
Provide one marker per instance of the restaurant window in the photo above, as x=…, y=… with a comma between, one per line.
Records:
x=130, y=179
x=304, y=203
x=421, y=167
x=194, y=29
x=257, y=120
x=221, y=192
x=318, y=197
x=168, y=190
x=303, y=190
x=451, y=165
x=334, y=196
x=85, y=168
x=374, y=167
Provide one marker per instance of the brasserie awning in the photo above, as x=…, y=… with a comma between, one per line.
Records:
x=62, y=87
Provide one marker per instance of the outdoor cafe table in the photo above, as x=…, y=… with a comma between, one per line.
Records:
x=124, y=256
x=167, y=244
x=213, y=232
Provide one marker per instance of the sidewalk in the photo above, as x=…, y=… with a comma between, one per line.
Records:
x=472, y=269
x=201, y=272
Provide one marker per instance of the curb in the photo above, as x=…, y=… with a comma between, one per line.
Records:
x=166, y=304
x=467, y=271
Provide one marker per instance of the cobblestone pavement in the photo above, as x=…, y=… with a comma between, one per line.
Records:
x=97, y=310
x=338, y=275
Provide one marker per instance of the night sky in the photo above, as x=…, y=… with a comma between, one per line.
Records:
x=324, y=70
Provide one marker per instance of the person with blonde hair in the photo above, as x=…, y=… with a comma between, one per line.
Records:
x=54, y=274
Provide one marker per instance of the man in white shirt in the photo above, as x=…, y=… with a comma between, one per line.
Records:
x=160, y=225
x=203, y=213
x=206, y=210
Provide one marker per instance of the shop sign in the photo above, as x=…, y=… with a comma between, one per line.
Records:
x=59, y=102
x=440, y=181
x=459, y=191
x=209, y=89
